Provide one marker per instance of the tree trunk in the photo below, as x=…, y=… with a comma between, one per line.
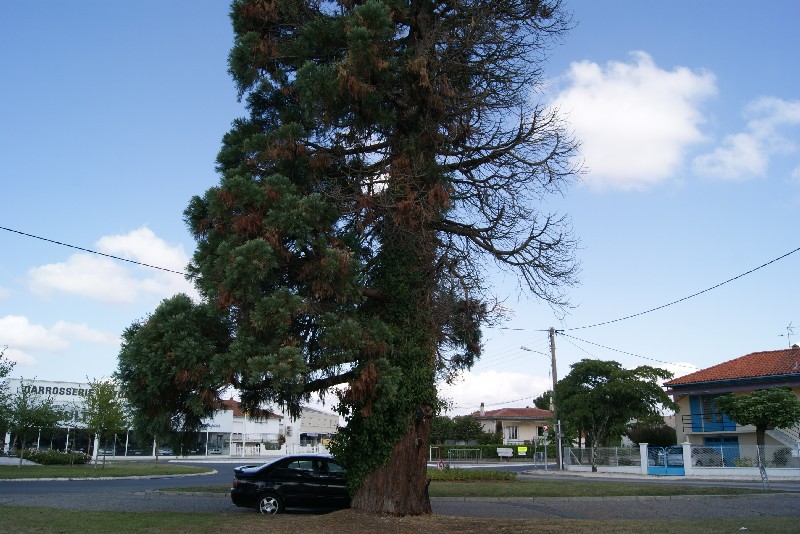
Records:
x=21, y=449
x=761, y=430
x=401, y=486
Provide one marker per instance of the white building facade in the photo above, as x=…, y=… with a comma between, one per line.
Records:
x=229, y=432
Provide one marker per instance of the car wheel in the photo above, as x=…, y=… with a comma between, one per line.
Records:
x=270, y=504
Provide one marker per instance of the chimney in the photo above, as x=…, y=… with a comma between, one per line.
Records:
x=483, y=410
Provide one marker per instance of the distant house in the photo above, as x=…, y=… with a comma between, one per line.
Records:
x=517, y=425
x=700, y=422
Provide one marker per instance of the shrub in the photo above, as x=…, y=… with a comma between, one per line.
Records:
x=51, y=457
x=781, y=456
x=470, y=475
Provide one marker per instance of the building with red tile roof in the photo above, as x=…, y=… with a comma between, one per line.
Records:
x=700, y=422
x=517, y=425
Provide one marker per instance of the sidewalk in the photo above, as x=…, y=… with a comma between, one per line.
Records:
x=10, y=460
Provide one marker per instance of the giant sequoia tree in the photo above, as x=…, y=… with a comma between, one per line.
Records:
x=392, y=152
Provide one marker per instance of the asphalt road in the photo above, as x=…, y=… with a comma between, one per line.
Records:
x=144, y=495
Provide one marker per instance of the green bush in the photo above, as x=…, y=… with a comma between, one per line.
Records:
x=781, y=456
x=51, y=457
x=472, y=475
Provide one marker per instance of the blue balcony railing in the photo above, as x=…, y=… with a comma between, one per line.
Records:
x=703, y=423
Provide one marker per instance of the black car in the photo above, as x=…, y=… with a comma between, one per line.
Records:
x=299, y=481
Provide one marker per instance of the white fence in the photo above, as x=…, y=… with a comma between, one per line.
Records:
x=724, y=460
x=606, y=456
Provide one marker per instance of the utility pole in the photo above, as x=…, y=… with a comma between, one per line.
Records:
x=553, y=407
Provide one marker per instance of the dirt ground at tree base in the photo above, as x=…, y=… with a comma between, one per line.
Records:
x=358, y=522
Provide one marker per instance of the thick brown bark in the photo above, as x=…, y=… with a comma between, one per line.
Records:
x=401, y=486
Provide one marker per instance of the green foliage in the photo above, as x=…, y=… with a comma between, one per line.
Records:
x=544, y=401
x=471, y=475
x=602, y=397
x=165, y=368
x=51, y=457
x=28, y=410
x=5, y=395
x=104, y=412
x=388, y=148
x=657, y=435
x=781, y=456
x=462, y=428
x=777, y=406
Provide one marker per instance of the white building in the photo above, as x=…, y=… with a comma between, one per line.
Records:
x=229, y=432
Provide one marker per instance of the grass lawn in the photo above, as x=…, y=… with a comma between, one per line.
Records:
x=31, y=520
x=111, y=469
x=544, y=488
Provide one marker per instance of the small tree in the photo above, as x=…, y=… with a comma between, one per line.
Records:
x=28, y=410
x=5, y=396
x=658, y=435
x=777, y=406
x=544, y=401
x=165, y=367
x=602, y=398
x=441, y=430
x=467, y=428
x=104, y=412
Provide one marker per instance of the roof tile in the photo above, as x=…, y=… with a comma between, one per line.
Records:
x=514, y=413
x=756, y=364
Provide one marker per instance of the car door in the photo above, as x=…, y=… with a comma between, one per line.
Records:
x=294, y=481
x=331, y=484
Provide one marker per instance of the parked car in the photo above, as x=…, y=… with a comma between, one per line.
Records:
x=214, y=450
x=707, y=457
x=165, y=451
x=311, y=481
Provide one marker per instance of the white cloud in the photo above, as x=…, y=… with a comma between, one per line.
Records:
x=495, y=389
x=144, y=246
x=794, y=177
x=747, y=154
x=19, y=334
x=635, y=120
x=82, y=332
x=679, y=369
x=115, y=282
x=20, y=357
x=21, y=337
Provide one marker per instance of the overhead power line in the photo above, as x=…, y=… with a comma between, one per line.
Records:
x=182, y=273
x=686, y=298
x=623, y=352
x=185, y=274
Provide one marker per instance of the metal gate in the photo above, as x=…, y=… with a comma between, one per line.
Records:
x=665, y=461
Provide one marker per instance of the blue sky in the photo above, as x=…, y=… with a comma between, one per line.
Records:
x=111, y=115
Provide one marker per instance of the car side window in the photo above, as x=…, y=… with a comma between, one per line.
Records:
x=304, y=467
x=332, y=469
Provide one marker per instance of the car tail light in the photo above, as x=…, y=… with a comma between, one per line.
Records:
x=235, y=483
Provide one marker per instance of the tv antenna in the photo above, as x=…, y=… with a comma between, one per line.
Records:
x=789, y=334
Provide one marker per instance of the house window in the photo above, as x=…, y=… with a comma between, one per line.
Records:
x=705, y=415
x=511, y=432
x=710, y=412
x=540, y=431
